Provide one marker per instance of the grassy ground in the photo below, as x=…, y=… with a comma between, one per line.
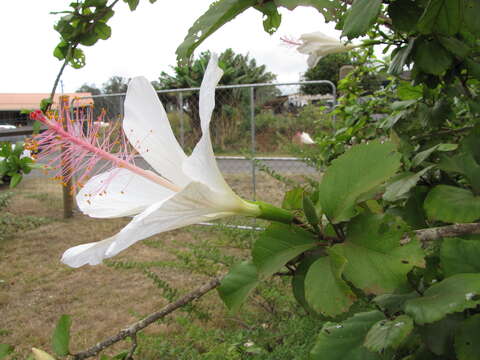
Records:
x=35, y=288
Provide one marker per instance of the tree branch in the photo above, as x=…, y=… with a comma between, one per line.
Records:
x=133, y=329
x=427, y=235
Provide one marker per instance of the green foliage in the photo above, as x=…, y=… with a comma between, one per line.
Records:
x=222, y=11
x=332, y=296
x=361, y=17
x=84, y=24
x=454, y=294
x=346, y=182
x=459, y=256
x=452, y=204
x=277, y=245
x=328, y=68
x=219, y=13
x=376, y=261
x=5, y=350
x=61, y=336
x=14, y=162
x=387, y=334
x=466, y=346
x=237, y=284
x=338, y=341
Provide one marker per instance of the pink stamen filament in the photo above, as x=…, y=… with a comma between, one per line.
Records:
x=290, y=42
x=97, y=151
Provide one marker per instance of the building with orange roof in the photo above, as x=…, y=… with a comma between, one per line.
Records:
x=12, y=105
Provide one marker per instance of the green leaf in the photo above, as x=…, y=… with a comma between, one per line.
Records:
x=325, y=290
x=438, y=336
x=326, y=7
x=3, y=168
x=467, y=345
x=15, y=180
x=452, y=204
x=298, y=282
x=44, y=103
x=237, y=284
x=132, y=4
x=218, y=14
x=399, y=188
x=423, y=155
x=61, y=50
x=103, y=30
x=460, y=256
x=406, y=91
x=96, y=3
x=441, y=16
x=404, y=15
x=361, y=17
x=36, y=127
x=393, y=303
x=61, y=336
x=377, y=262
x=465, y=164
x=77, y=60
x=310, y=211
x=453, y=294
x=272, y=18
x=400, y=58
x=293, y=199
x=5, y=350
x=357, y=172
x=279, y=244
x=431, y=57
x=470, y=16
x=456, y=47
x=389, y=333
x=345, y=340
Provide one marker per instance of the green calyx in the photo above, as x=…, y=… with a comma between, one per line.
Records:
x=273, y=213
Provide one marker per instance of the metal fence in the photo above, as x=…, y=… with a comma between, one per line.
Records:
x=251, y=122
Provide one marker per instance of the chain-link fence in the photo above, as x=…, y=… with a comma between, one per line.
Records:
x=251, y=123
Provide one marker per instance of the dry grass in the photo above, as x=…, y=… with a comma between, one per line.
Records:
x=35, y=288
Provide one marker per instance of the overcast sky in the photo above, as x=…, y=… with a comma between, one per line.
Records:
x=143, y=42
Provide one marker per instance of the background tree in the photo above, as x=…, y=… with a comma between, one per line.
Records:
x=90, y=88
x=328, y=68
x=115, y=85
x=231, y=103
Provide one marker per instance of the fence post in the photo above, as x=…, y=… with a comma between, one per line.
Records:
x=66, y=167
x=252, y=133
x=182, y=129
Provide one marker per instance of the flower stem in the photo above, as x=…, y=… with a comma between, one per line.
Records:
x=273, y=213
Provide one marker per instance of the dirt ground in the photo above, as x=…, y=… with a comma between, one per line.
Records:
x=35, y=288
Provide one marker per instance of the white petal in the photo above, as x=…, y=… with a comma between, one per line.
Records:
x=119, y=192
x=320, y=37
x=201, y=165
x=91, y=253
x=313, y=60
x=194, y=204
x=148, y=130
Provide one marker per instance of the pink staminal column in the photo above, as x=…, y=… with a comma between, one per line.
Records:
x=83, y=145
